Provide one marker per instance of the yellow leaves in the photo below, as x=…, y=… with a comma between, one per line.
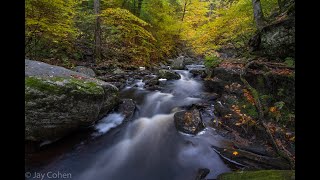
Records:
x=235, y=153
x=273, y=109
x=238, y=124
x=228, y=115
x=292, y=138
x=122, y=16
x=244, y=118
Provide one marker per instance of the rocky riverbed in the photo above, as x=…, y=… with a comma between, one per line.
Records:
x=193, y=113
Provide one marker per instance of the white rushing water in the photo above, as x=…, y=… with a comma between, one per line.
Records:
x=109, y=122
x=149, y=147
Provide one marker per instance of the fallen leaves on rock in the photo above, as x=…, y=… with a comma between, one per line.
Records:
x=235, y=153
x=248, y=96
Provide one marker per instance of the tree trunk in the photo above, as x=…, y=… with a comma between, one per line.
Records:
x=280, y=5
x=258, y=14
x=184, y=9
x=139, y=7
x=124, y=2
x=211, y=9
x=134, y=7
x=97, y=31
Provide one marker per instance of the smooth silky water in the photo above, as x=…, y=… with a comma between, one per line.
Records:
x=148, y=147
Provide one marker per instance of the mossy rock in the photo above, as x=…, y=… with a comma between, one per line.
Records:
x=59, y=101
x=259, y=175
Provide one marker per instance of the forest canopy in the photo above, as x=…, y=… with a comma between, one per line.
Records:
x=136, y=31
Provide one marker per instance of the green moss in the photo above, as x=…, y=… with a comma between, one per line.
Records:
x=289, y=61
x=260, y=82
x=249, y=108
x=59, y=85
x=211, y=61
x=259, y=175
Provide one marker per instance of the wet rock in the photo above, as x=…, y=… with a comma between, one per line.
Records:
x=162, y=82
x=118, y=71
x=178, y=63
x=188, y=60
x=163, y=66
x=168, y=74
x=198, y=72
x=209, y=96
x=127, y=107
x=222, y=109
x=59, y=101
x=202, y=173
x=214, y=85
x=119, y=85
x=85, y=70
x=151, y=82
x=189, y=122
x=176, y=109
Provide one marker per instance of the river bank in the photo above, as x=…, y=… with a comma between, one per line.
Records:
x=219, y=147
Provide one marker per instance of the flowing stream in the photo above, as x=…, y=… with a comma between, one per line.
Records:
x=146, y=148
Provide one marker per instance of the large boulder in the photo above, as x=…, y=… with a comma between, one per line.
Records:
x=85, y=70
x=189, y=122
x=59, y=101
x=276, y=39
x=178, y=63
x=214, y=85
x=168, y=74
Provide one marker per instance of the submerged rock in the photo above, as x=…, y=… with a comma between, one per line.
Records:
x=198, y=72
x=169, y=75
x=188, y=121
x=59, y=101
x=202, y=173
x=127, y=107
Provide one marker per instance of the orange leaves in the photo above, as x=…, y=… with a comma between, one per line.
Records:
x=248, y=96
x=188, y=118
x=244, y=119
x=273, y=109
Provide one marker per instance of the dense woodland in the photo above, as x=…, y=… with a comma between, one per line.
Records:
x=140, y=32
x=244, y=51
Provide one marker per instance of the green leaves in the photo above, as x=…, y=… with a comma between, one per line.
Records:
x=211, y=61
x=125, y=33
x=49, y=23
